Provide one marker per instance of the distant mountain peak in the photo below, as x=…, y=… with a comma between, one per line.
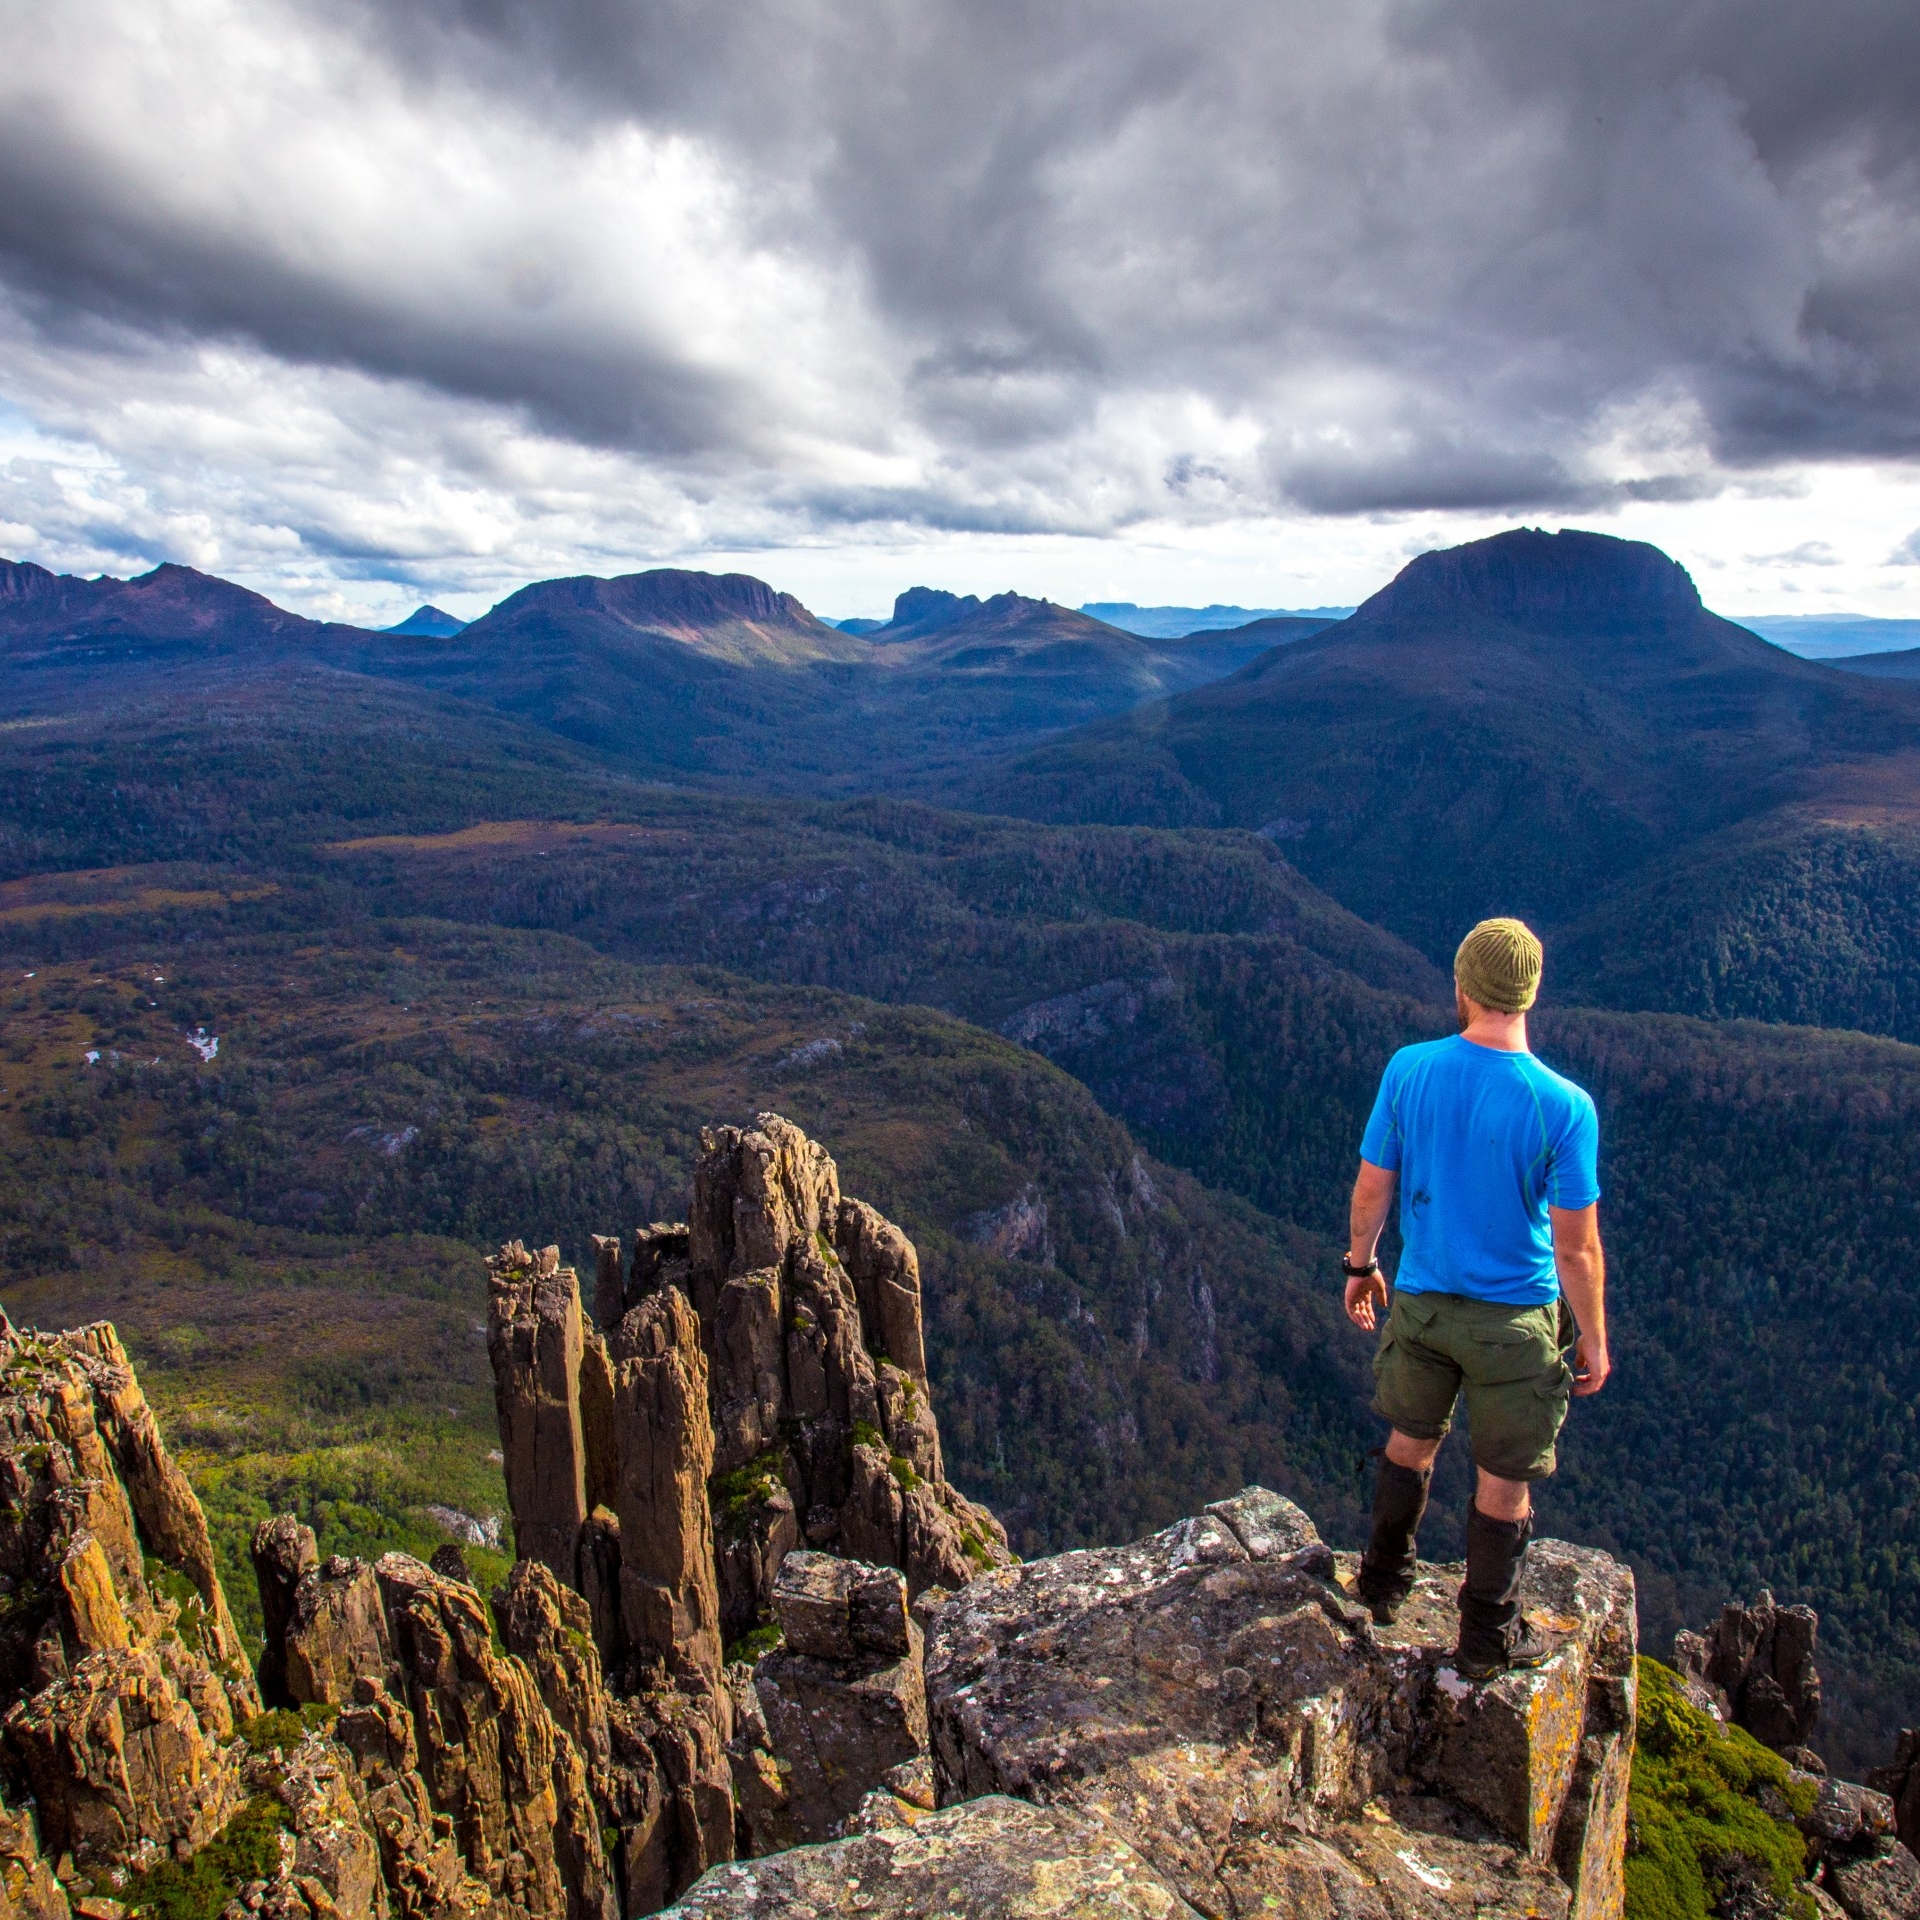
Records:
x=429, y=623
x=1530, y=574
x=928, y=609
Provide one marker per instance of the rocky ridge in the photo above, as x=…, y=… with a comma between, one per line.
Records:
x=738, y=1443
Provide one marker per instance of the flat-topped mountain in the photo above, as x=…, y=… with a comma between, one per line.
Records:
x=726, y=616
x=1513, y=725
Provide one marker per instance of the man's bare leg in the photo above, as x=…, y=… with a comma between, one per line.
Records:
x=1498, y=1499
x=1502, y=1499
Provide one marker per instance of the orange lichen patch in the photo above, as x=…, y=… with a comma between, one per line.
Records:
x=507, y=836
x=111, y=890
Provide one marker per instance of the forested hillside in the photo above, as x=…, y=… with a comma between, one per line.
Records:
x=471, y=979
x=289, y=1231
x=1552, y=725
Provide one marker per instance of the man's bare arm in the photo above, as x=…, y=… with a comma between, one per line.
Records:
x=1583, y=1279
x=1372, y=1200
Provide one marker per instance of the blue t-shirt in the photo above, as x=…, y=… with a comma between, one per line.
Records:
x=1484, y=1142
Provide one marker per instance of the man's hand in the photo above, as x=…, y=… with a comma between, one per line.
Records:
x=1366, y=1300
x=1372, y=1201
x=1590, y=1362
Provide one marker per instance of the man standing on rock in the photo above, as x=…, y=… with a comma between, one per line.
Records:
x=1494, y=1157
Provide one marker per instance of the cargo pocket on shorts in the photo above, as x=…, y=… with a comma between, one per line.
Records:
x=1383, y=1348
x=1505, y=1355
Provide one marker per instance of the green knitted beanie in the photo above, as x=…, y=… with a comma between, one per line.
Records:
x=1498, y=965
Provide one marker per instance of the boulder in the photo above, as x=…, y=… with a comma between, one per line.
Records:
x=1899, y=1780
x=1214, y=1698
x=839, y=1609
x=1884, y=1886
x=988, y=1860
x=1844, y=1819
x=844, y=1699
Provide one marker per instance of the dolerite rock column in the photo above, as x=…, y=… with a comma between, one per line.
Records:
x=119, y=1702
x=1759, y=1662
x=824, y=1431
x=1899, y=1780
x=669, y=1598
x=535, y=1339
x=283, y=1554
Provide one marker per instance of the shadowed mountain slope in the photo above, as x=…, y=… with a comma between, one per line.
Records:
x=1511, y=726
x=62, y=636
x=694, y=677
x=1901, y=665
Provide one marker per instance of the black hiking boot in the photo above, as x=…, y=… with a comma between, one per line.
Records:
x=1494, y=1637
x=1386, y=1569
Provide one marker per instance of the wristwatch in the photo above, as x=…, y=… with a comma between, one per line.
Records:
x=1358, y=1273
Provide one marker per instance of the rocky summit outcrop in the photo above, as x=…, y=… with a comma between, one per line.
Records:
x=740, y=1439
x=1206, y=1723
x=992, y=1859
x=839, y=1709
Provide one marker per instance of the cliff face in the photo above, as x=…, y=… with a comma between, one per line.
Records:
x=123, y=1674
x=740, y=1437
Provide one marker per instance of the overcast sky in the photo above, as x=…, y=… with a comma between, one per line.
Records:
x=369, y=301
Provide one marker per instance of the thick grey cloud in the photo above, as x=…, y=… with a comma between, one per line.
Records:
x=1056, y=265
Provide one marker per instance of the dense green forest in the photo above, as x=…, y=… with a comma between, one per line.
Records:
x=1110, y=1078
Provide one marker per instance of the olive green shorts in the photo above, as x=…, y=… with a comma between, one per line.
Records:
x=1511, y=1362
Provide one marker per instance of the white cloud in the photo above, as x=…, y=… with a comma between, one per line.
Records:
x=354, y=301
